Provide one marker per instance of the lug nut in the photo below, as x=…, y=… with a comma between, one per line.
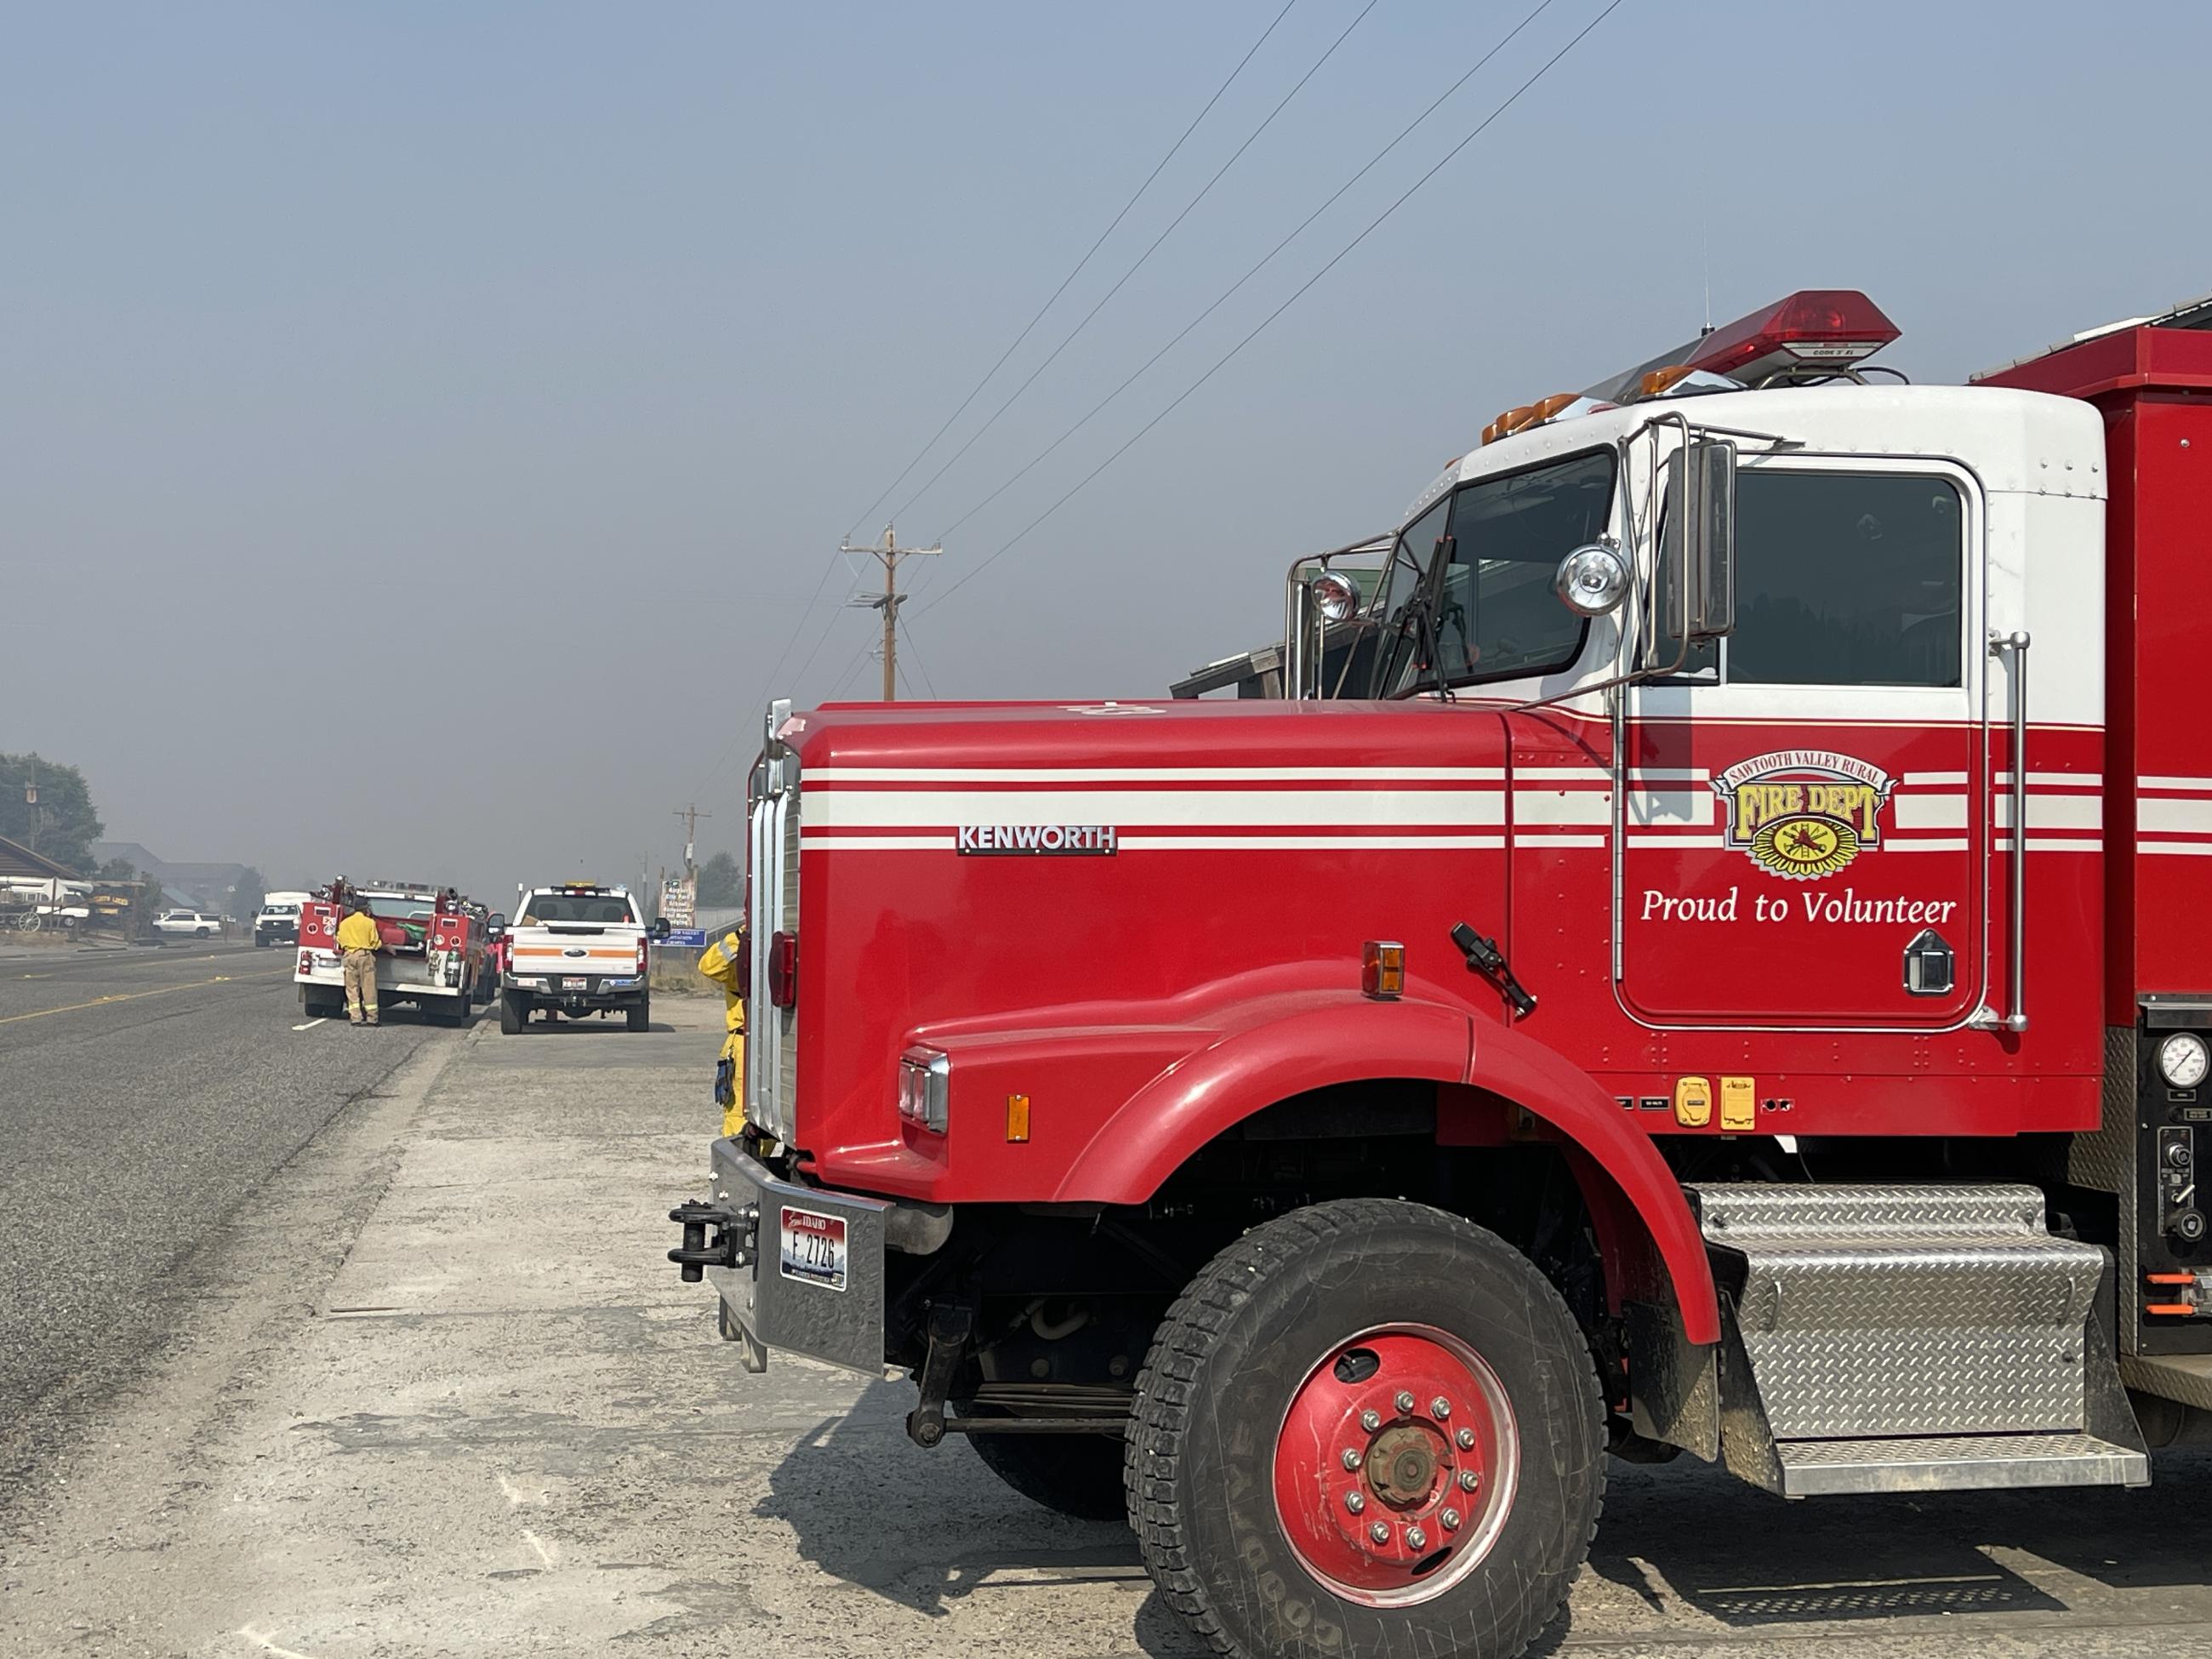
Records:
x=1450, y=1518
x=1465, y=1440
x=1440, y=1408
x=1355, y=1501
x=1416, y=1539
x=1352, y=1459
x=1379, y=1532
x=1371, y=1420
x=1405, y=1404
x=1469, y=1479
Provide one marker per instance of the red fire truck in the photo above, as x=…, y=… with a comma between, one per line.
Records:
x=1721, y=974
x=436, y=953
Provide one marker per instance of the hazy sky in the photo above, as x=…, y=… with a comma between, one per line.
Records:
x=423, y=426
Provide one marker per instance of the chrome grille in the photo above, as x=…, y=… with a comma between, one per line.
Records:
x=772, y=1040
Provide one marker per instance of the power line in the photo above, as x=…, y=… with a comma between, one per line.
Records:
x=867, y=511
x=1337, y=259
x=1139, y=265
x=846, y=673
x=1373, y=161
x=737, y=737
x=915, y=651
x=823, y=583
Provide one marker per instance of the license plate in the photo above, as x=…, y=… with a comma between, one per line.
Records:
x=574, y=984
x=814, y=1247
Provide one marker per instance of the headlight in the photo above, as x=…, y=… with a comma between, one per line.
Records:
x=2182, y=1060
x=1336, y=596
x=926, y=1088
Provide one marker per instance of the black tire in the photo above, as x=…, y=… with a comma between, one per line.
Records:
x=1242, y=1342
x=260, y=943
x=514, y=1012
x=1076, y=1474
x=199, y=932
x=640, y=1014
x=320, y=1005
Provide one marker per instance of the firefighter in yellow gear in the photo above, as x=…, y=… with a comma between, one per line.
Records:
x=724, y=961
x=359, y=942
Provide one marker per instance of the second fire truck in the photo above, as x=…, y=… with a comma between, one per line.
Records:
x=434, y=952
x=1726, y=974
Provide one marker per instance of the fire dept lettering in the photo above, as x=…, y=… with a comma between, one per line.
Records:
x=1803, y=814
x=1060, y=839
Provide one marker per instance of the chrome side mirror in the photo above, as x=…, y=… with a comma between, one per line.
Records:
x=1592, y=581
x=1336, y=596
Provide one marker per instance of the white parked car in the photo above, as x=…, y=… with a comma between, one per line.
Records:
x=191, y=924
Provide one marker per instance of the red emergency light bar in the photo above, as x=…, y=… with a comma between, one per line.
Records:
x=1823, y=326
x=1814, y=328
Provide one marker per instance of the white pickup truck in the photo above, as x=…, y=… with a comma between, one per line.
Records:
x=576, y=948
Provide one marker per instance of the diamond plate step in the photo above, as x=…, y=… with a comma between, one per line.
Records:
x=1730, y=1211
x=1818, y=1468
x=1887, y=1311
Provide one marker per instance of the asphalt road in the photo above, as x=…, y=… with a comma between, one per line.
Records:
x=144, y=1096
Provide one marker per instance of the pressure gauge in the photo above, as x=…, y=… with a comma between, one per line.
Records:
x=2183, y=1059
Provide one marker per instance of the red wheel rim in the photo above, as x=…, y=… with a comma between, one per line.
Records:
x=1397, y=1465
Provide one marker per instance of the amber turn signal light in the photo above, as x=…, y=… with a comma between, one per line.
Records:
x=1382, y=969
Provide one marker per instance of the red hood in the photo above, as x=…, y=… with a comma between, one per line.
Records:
x=1134, y=855
x=1148, y=733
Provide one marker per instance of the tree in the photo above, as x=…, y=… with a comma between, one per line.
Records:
x=62, y=825
x=245, y=897
x=721, y=881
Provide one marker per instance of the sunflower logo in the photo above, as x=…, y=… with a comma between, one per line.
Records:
x=1803, y=814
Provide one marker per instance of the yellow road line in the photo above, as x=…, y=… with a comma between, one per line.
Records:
x=130, y=996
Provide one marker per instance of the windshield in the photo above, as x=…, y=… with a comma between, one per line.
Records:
x=400, y=907
x=280, y=909
x=600, y=908
x=1495, y=616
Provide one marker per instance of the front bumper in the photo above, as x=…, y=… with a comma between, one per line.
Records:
x=752, y=1238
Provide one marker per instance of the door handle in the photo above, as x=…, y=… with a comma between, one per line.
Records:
x=2013, y=648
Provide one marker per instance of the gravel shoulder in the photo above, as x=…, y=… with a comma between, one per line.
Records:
x=436, y=1392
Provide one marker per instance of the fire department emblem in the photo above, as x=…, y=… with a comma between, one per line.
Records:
x=1803, y=814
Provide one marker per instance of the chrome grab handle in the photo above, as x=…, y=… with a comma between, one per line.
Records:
x=2013, y=647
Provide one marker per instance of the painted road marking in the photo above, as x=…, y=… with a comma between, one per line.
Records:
x=312, y=1024
x=127, y=996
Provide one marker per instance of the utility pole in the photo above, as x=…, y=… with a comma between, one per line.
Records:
x=690, y=815
x=887, y=553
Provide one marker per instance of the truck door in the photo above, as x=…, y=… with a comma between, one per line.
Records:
x=1803, y=840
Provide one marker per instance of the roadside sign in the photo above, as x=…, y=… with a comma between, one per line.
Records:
x=676, y=900
x=694, y=938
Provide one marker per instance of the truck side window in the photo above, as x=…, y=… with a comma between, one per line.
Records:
x=1497, y=617
x=1847, y=578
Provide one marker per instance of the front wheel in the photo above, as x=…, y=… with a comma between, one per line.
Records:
x=1367, y=1428
x=514, y=1012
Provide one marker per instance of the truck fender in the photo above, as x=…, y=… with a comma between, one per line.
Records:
x=1605, y=1151
x=1329, y=1038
